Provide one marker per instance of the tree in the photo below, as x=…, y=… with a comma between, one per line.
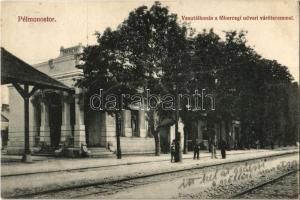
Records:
x=146, y=51
x=207, y=60
x=240, y=80
x=150, y=50
x=103, y=69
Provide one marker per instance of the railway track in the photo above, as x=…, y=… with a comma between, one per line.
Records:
x=273, y=180
x=111, y=187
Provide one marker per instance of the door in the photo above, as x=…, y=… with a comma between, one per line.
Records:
x=55, y=115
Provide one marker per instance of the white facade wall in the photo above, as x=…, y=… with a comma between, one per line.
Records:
x=101, y=126
x=16, y=123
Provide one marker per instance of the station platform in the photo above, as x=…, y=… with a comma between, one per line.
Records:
x=46, y=174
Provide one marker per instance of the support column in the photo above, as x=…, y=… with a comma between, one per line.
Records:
x=126, y=121
x=27, y=151
x=142, y=124
x=79, y=128
x=200, y=128
x=45, y=128
x=33, y=126
x=66, y=128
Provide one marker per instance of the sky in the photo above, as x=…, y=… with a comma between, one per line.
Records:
x=76, y=22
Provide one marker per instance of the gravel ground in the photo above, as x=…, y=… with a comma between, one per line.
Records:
x=213, y=182
x=163, y=187
x=285, y=188
x=220, y=181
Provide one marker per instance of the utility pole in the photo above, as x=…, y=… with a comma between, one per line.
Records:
x=178, y=151
x=118, y=134
x=185, y=144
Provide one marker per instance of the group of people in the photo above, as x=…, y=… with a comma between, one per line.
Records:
x=197, y=147
x=223, y=146
x=213, y=150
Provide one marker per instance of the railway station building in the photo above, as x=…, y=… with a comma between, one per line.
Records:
x=58, y=118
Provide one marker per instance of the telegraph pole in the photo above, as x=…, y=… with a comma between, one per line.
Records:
x=118, y=132
x=178, y=152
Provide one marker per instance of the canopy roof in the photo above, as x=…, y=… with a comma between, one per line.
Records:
x=15, y=70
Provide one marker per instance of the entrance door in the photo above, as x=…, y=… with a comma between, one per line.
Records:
x=55, y=114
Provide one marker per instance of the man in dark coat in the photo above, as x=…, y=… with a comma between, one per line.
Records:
x=214, y=147
x=223, y=149
x=172, y=151
x=196, y=150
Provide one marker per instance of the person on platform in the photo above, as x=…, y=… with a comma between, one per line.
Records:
x=214, y=147
x=196, y=150
x=257, y=144
x=223, y=149
x=173, y=151
x=272, y=144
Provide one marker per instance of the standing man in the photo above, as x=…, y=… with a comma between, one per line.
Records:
x=223, y=149
x=257, y=144
x=272, y=144
x=196, y=150
x=173, y=151
x=214, y=147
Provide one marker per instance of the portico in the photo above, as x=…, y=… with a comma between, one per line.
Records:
x=61, y=119
x=26, y=80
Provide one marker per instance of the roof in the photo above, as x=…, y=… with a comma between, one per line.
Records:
x=15, y=70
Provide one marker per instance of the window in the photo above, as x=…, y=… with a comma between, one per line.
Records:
x=135, y=123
